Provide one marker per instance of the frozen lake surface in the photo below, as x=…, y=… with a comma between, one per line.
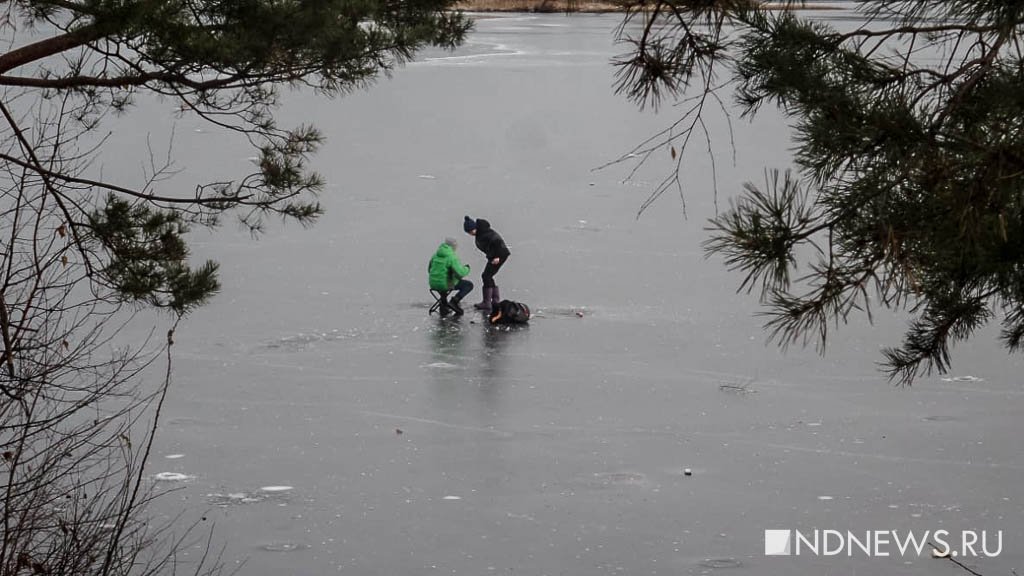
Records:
x=327, y=425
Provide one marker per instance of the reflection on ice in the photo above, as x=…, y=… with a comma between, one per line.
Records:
x=485, y=51
x=583, y=226
x=275, y=488
x=283, y=546
x=563, y=312
x=738, y=388
x=941, y=418
x=605, y=479
x=237, y=498
x=172, y=477
x=304, y=340
x=720, y=563
x=440, y=365
x=233, y=498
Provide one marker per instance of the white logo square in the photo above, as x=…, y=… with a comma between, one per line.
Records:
x=777, y=543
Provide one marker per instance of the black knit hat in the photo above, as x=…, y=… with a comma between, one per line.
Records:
x=469, y=224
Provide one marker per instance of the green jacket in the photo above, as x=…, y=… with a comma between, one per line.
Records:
x=445, y=268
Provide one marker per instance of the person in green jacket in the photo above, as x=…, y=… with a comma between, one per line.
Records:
x=446, y=273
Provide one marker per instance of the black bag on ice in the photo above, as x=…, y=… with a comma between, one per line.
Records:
x=509, y=312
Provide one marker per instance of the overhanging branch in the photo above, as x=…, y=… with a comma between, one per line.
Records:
x=49, y=47
x=240, y=199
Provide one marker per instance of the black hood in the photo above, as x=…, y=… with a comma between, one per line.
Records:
x=488, y=241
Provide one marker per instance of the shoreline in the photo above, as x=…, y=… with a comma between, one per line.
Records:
x=593, y=7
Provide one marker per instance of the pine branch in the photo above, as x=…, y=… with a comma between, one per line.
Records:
x=48, y=47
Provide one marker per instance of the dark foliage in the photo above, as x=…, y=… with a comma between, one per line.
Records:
x=81, y=255
x=909, y=159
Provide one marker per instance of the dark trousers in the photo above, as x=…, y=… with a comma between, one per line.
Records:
x=462, y=288
x=490, y=270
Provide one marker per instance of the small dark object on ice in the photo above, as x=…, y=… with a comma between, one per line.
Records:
x=398, y=431
x=509, y=312
x=687, y=472
x=579, y=313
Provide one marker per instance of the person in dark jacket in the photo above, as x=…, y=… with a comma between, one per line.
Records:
x=490, y=243
x=445, y=273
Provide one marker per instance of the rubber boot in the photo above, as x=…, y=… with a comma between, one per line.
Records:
x=454, y=305
x=485, y=304
x=496, y=296
x=446, y=307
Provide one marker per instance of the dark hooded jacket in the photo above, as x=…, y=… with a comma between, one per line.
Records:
x=489, y=242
